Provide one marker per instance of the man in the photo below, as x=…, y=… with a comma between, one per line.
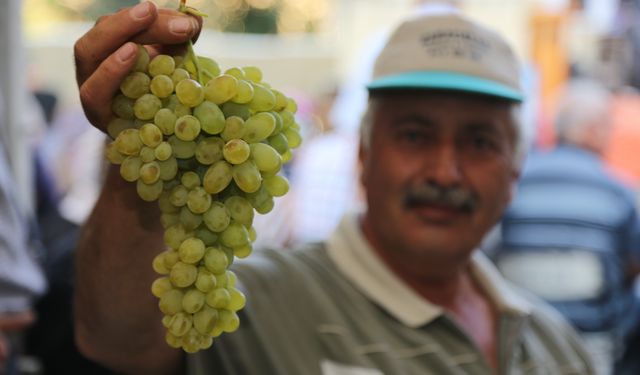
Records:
x=398, y=289
x=572, y=235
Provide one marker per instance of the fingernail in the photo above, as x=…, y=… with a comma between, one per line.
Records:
x=126, y=52
x=180, y=25
x=141, y=10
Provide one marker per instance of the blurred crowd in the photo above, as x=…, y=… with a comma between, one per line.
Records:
x=571, y=236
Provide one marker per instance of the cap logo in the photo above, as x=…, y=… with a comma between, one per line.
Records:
x=461, y=44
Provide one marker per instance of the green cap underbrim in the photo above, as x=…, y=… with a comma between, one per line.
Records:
x=445, y=81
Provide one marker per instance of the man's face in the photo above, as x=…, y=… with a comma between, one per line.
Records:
x=438, y=173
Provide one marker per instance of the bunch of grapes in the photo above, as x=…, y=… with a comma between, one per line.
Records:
x=208, y=146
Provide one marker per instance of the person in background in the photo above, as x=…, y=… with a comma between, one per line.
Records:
x=572, y=234
x=21, y=276
x=398, y=288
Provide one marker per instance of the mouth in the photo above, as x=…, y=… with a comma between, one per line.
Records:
x=437, y=213
x=440, y=205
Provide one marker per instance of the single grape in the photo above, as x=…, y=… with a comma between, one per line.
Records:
x=236, y=151
x=210, y=116
x=189, y=92
x=122, y=107
x=187, y=128
x=135, y=85
x=161, y=65
x=161, y=86
x=146, y=106
x=221, y=89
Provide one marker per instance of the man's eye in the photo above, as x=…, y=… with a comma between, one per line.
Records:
x=412, y=136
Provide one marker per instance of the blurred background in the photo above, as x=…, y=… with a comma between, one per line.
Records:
x=317, y=51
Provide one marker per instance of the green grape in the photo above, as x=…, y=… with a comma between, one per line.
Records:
x=135, y=85
x=236, y=151
x=165, y=205
x=263, y=99
x=150, y=172
x=258, y=198
x=234, y=109
x=183, y=274
x=173, y=237
x=159, y=264
x=210, y=116
x=174, y=104
x=171, y=302
x=217, y=218
x=205, y=320
x=122, y=107
x=160, y=286
x=187, y=128
x=293, y=137
x=235, y=235
x=193, y=301
x=287, y=119
x=171, y=339
x=277, y=185
x=258, y=127
x=286, y=156
x=229, y=320
x=128, y=142
x=237, y=300
x=266, y=206
x=236, y=72
x=208, y=237
x=165, y=120
x=170, y=259
x=191, y=250
x=247, y=176
x=117, y=125
x=199, y=200
x=243, y=251
x=253, y=235
x=142, y=60
x=206, y=281
x=150, y=135
x=229, y=253
x=161, y=64
x=167, y=220
x=130, y=168
x=182, y=149
x=163, y=151
x=279, y=142
x=146, y=106
x=221, y=89
x=252, y=73
x=147, y=154
x=244, y=92
x=234, y=128
x=239, y=209
x=178, y=75
x=161, y=86
x=180, y=324
x=217, y=177
x=190, y=220
x=208, y=67
x=279, y=123
x=222, y=279
x=218, y=298
x=190, y=180
x=209, y=150
x=112, y=154
x=281, y=100
x=189, y=92
x=292, y=106
x=168, y=168
x=215, y=260
x=193, y=341
x=265, y=157
x=149, y=192
x=166, y=321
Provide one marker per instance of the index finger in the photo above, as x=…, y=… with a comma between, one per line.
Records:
x=109, y=33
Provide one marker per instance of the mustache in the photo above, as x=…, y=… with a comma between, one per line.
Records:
x=451, y=197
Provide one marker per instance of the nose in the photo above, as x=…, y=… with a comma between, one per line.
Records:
x=443, y=168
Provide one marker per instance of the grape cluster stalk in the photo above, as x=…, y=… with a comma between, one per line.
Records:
x=208, y=146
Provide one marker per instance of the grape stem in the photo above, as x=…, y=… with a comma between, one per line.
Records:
x=190, y=52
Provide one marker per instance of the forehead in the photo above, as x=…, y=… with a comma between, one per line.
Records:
x=442, y=106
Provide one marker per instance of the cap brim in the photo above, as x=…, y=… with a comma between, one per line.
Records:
x=445, y=81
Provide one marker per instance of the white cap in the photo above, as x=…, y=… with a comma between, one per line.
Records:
x=447, y=50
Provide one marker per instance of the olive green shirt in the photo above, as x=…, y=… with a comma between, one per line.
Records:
x=336, y=309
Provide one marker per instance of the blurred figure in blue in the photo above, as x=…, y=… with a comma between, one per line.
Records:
x=572, y=234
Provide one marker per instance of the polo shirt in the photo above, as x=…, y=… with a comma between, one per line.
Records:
x=336, y=309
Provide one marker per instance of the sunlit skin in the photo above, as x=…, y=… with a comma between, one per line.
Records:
x=450, y=140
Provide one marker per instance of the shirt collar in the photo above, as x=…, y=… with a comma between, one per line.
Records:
x=350, y=251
